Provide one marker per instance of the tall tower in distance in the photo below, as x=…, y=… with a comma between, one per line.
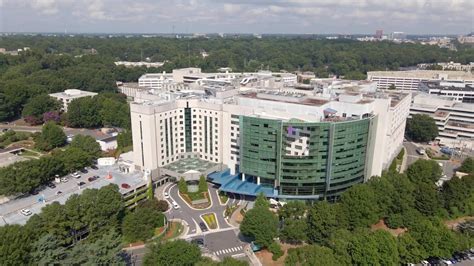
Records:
x=378, y=34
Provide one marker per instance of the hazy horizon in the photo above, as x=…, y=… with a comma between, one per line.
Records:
x=240, y=17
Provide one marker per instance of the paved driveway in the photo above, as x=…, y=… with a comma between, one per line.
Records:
x=193, y=216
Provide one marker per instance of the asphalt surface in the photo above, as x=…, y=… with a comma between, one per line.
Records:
x=193, y=216
x=223, y=244
x=448, y=166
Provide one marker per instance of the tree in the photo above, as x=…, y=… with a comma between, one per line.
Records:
x=115, y=113
x=182, y=187
x=467, y=166
x=295, y=226
x=39, y=105
x=124, y=139
x=141, y=224
x=261, y=201
x=84, y=112
x=106, y=250
x=87, y=144
x=202, y=184
x=312, y=255
x=359, y=206
x=52, y=136
x=421, y=128
x=14, y=245
x=427, y=171
x=74, y=159
x=409, y=250
x=260, y=224
x=158, y=205
x=47, y=250
x=174, y=253
x=386, y=247
x=457, y=195
x=322, y=222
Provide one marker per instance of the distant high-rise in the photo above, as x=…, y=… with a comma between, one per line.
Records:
x=378, y=34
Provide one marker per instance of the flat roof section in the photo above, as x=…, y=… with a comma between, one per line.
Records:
x=190, y=164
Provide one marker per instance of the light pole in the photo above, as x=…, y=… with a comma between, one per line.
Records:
x=3, y=219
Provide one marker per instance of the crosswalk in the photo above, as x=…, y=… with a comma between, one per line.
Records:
x=228, y=251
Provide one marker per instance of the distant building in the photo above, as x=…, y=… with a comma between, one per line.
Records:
x=466, y=39
x=67, y=96
x=449, y=66
x=139, y=64
x=398, y=35
x=410, y=80
x=378, y=34
x=155, y=80
x=456, y=91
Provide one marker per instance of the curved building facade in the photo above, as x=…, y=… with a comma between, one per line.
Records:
x=304, y=159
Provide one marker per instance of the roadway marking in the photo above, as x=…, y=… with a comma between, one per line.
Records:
x=228, y=250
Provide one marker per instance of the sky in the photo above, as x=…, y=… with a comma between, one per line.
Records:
x=238, y=16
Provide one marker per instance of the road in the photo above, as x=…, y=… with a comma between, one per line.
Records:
x=193, y=216
x=448, y=166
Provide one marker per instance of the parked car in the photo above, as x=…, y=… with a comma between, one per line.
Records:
x=51, y=185
x=198, y=241
x=84, y=171
x=57, y=179
x=81, y=183
x=93, y=178
x=203, y=226
x=167, y=196
x=64, y=179
x=26, y=212
x=125, y=186
x=446, y=150
x=59, y=192
x=34, y=192
x=94, y=167
x=420, y=151
x=76, y=175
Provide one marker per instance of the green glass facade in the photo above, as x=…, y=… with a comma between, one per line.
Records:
x=303, y=159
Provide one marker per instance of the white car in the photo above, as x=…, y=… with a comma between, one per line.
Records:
x=167, y=196
x=76, y=175
x=26, y=212
x=175, y=205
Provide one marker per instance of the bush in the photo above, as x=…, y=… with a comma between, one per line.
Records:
x=183, y=188
x=400, y=155
x=275, y=249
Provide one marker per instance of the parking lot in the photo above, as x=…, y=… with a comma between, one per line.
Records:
x=10, y=211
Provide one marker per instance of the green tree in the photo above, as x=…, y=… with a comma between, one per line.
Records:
x=427, y=199
x=182, y=186
x=260, y=224
x=141, y=224
x=202, y=184
x=467, y=166
x=323, y=222
x=409, y=250
x=295, y=226
x=458, y=194
x=15, y=245
x=52, y=136
x=386, y=247
x=84, y=112
x=47, y=250
x=359, y=206
x=74, y=159
x=421, y=128
x=174, y=253
x=87, y=144
x=106, y=250
x=124, y=139
x=427, y=171
x=115, y=113
x=39, y=105
x=311, y=255
x=261, y=201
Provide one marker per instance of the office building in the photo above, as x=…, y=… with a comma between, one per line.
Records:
x=68, y=96
x=410, y=80
x=250, y=137
x=455, y=120
x=456, y=91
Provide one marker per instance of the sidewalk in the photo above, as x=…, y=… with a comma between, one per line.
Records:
x=234, y=217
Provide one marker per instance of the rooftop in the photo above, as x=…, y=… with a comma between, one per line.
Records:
x=190, y=164
x=73, y=93
x=427, y=74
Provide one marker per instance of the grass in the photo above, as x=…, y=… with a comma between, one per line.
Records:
x=223, y=198
x=210, y=219
x=189, y=197
x=433, y=156
x=174, y=230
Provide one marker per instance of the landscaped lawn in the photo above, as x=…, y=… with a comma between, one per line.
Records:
x=174, y=230
x=210, y=219
x=223, y=197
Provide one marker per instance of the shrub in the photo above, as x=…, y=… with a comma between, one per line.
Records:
x=275, y=249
